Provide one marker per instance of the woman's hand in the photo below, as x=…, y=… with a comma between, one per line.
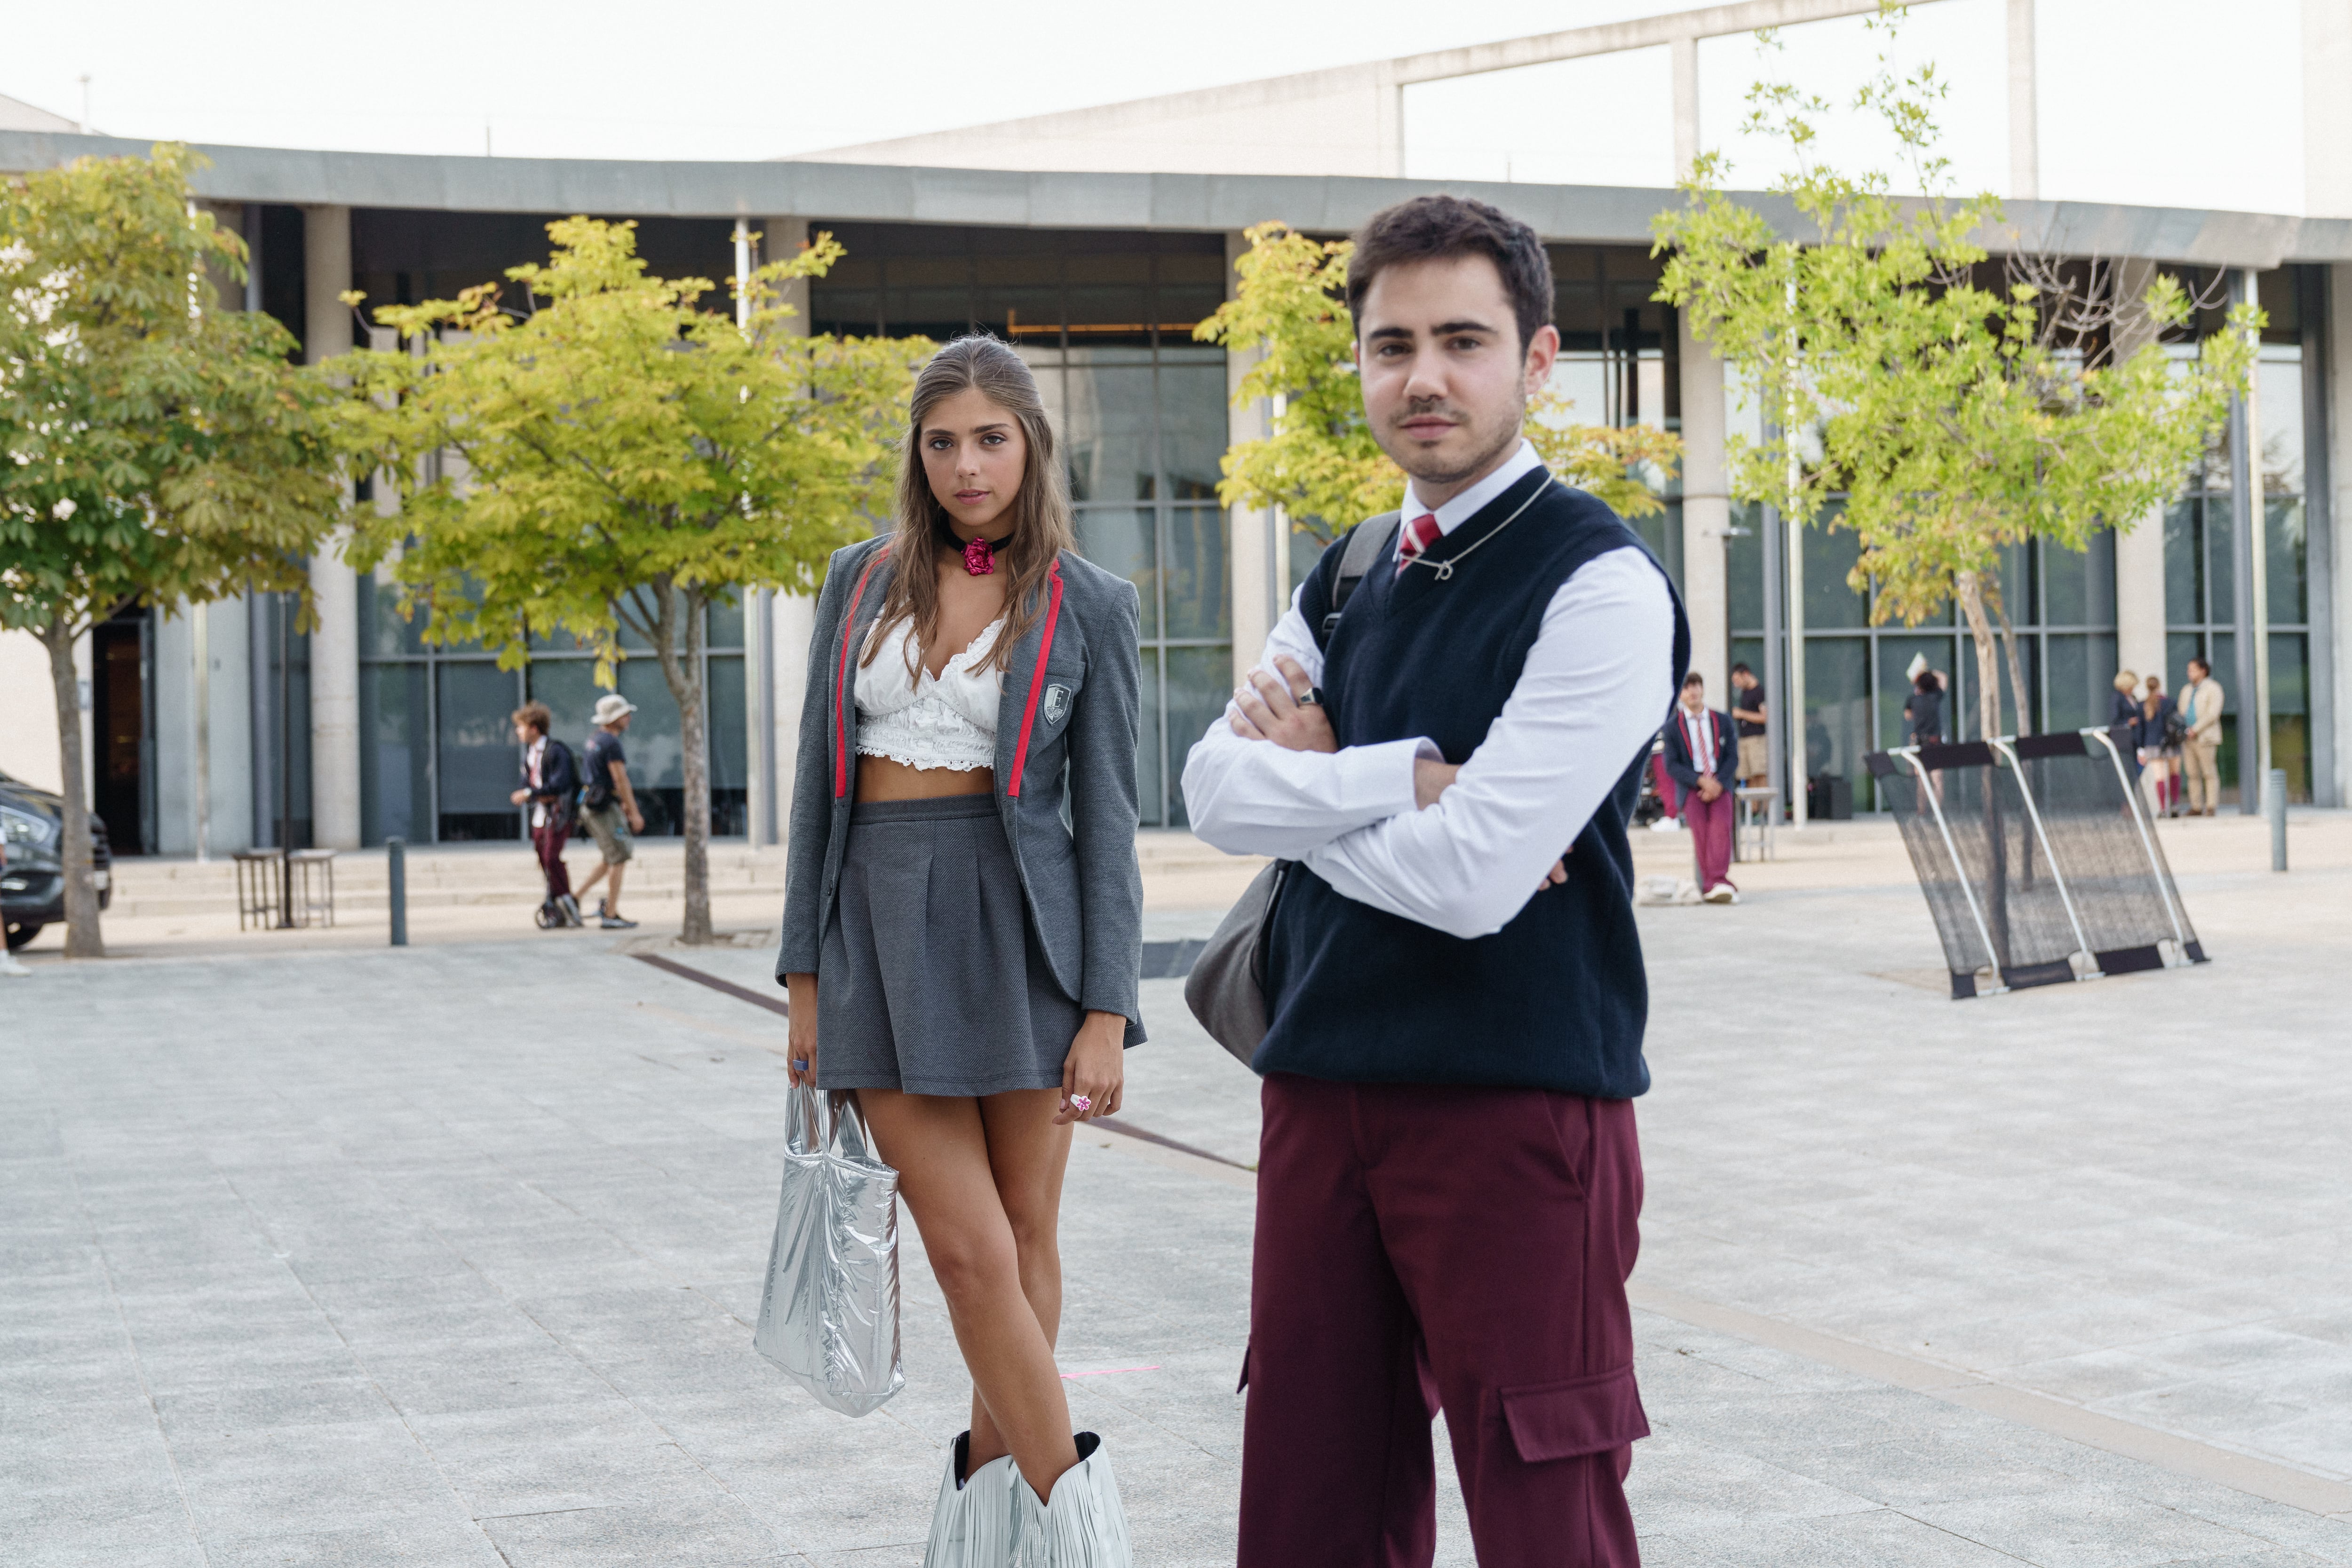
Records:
x=800, y=991
x=1095, y=1069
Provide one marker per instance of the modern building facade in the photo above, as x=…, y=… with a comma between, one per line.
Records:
x=1095, y=244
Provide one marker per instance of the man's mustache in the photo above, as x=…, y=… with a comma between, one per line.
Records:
x=1422, y=407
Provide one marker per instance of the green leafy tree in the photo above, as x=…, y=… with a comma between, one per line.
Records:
x=601, y=453
x=1321, y=465
x=1958, y=407
x=153, y=448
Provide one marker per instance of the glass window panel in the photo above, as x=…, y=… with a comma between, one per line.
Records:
x=656, y=759
x=2279, y=410
x=724, y=626
x=478, y=758
x=1744, y=568
x=2184, y=571
x=1120, y=539
x=1837, y=709
x=2082, y=677
x=1110, y=428
x=2179, y=647
x=1109, y=291
x=2283, y=545
x=2017, y=599
x=2224, y=645
x=383, y=631
x=1307, y=547
x=2291, y=713
x=396, y=759
x=2078, y=588
x=1192, y=427
x=1583, y=379
x=569, y=689
x=728, y=719
x=2221, y=565
x=1199, y=682
x=1150, y=790
x=1197, y=580
x=1828, y=555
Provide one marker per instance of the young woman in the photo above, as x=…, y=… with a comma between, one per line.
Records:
x=955, y=953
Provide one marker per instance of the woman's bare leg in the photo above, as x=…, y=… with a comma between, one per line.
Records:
x=942, y=1148
x=1028, y=1155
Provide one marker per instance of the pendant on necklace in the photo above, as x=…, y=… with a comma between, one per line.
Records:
x=979, y=557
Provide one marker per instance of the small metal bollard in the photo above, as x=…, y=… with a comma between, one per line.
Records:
x=395, y=855
x=2274, y=808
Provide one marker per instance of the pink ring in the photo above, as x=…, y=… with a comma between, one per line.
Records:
x=1082, y=1103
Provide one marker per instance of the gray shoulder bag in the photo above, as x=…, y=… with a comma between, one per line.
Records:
x=1226, y=989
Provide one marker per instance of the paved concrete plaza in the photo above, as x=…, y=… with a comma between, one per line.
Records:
x=448, y=1255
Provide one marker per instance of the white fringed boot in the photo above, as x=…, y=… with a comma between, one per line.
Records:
x=971, y=1527
x=1081, y=1526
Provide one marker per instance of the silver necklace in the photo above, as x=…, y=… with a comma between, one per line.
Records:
x=1445, y=569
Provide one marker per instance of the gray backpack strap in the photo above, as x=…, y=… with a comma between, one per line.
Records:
x=1373, y=539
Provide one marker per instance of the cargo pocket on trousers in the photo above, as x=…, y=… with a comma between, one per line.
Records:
x=1583, y=1415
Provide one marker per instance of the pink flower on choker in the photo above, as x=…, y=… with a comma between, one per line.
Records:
x=979, y=557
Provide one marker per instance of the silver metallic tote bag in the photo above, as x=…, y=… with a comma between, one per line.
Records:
x=830, y=1316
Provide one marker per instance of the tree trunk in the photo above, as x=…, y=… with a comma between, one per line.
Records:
x=1969, y=591
x=2016, y=669
x=681, y=622
x=83, y=938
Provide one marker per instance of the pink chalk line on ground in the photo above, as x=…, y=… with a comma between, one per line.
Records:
x=1106, y=1371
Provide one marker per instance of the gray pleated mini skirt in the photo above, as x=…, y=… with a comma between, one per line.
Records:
x=928, y=980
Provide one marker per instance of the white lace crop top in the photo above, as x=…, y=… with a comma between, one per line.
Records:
x=948, y=720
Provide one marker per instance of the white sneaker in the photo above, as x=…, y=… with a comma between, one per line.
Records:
x=8, y=964
x=972, y=1525
x=1082, y=1526
x=1667, y=825
x=1722, y=893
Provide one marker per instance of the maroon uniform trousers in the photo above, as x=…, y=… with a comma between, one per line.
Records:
x=549, y=839
x=1422, y=1246
x=1711, y=824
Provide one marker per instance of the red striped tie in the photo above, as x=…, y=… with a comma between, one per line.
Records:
x=1419, y=535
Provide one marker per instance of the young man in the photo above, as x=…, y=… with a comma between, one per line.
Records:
x=608, y=807
x=550, y=779
x=1699, y=758
x=1748, y=713
x=1449, y=1180
x=2201, y=706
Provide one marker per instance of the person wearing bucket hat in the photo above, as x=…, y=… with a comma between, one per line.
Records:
x=962, y=931
x=608, y=807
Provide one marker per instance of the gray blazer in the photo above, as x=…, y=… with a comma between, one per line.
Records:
x=1068, y=802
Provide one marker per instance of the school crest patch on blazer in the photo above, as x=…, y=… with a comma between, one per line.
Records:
x=1057, y=704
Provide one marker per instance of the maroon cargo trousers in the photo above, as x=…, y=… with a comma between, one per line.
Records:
x=1428, y=1246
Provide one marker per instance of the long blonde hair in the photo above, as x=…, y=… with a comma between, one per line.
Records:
x=1040, y=510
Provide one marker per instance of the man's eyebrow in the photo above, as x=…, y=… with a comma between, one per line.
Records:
x=1448, y=329
x=1378, y=333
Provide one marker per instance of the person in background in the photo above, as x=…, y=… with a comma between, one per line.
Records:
x=608, y=807
x=2201, y=707
x=1748, y=714
x=2154, y=767
x=1923, y=713
x=1664, y=783
x=550, y=781
x=1700, y=757
x=2123, y=720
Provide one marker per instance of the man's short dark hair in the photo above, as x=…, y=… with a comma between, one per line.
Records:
x=2200, y=664
x=535, y=714
x=1741, y=670
x=1433, y=228
x=1692, y=679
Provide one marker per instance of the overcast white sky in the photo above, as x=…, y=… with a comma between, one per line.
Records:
x=2167, y=101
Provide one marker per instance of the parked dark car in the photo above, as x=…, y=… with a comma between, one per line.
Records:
x=33, y=884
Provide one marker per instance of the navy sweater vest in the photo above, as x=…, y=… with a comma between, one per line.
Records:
x=1558, y=998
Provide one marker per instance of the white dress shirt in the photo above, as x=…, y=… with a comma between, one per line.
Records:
x=532, y=759
x=1587, y=702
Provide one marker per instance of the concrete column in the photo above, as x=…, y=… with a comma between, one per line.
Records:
x=1685, y=68
x=785, y=621
x=2321, y=538
x=2326, y=108
x=2338, y=568
x=334, y=591
x=1257, y=550
x=2024, y=128
x=2250, y=573
x=1706, y=514
x=2139, y=546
